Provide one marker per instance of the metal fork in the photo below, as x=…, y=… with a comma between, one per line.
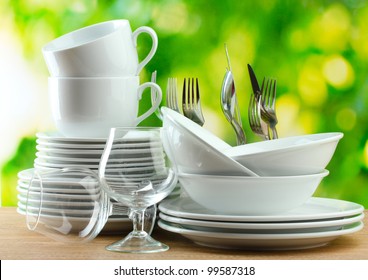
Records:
x=256, y=122
x=268, y=97
x=192, y=102
x=172, y=95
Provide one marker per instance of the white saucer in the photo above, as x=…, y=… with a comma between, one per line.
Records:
x=58, y=137
x=46, y=150
x=268, y=227
x=315, y=208
x=292, y=241
x=132, y=136
x=72, y=145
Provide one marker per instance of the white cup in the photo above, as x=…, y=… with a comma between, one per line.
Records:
x=89, y=107
x=107, y=49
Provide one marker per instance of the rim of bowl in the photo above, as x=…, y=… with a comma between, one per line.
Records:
x=323, y=173
x=238, y=150
x=167, y=114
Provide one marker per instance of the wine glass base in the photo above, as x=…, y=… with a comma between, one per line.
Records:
x=134, y=244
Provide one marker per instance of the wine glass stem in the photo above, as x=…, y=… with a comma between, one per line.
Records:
x=137, y=216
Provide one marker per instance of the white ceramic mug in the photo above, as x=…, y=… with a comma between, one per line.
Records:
x=89, y=107
x=107, y=49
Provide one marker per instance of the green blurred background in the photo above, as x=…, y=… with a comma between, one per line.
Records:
x=317, y=50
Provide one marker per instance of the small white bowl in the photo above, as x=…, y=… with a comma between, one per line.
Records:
x=196, y=150
x=298, y=155
x=242, y=195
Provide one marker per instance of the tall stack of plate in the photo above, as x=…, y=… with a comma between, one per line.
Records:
x=56, y=152
x=316, y=223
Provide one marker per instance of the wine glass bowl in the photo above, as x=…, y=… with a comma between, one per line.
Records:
x=134, y=171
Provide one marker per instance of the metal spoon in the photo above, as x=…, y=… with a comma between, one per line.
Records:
x=229, y=103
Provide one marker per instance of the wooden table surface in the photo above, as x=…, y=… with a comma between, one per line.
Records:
x=18, y=243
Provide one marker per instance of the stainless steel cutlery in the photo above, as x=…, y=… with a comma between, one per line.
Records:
x=263, y=112
x=229, y=103
x=191, y=101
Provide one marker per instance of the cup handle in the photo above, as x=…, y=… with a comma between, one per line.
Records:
x=157, y=91
x=152, y=33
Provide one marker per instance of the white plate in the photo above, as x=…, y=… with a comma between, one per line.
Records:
x=57, y=196
x=290, y=227
x=114, y=225
x=42, y=158
x=22, y=201
x=60, y=151
x=316, y=208
x=66, y=158
x=122, y=167
x=66, y=145
x=54, y=188
x=292, y=241
x=57, y=137
x=34, y=209
x=132, y=136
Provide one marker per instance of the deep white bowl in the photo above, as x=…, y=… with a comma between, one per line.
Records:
x=298, y=155
x=196, y=150
x=244, y=195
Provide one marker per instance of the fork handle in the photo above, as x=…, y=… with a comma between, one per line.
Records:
x=274, y=133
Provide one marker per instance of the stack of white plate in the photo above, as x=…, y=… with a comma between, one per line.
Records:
x=55, y=151
x=314, y=224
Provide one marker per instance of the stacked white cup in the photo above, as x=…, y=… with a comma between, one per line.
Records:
x=94, y=79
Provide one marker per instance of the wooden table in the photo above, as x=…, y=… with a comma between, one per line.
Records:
x=18, y=243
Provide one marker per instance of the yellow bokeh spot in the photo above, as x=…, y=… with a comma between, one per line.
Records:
x=365, y=154
x=312, y=86
x=287, y=108
x=308, y=120
x=338, y=72
x=346, y=118
x=331, y=31
x=174, y=17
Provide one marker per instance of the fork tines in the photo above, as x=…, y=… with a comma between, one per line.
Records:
x=172, y=95
x=191, y=101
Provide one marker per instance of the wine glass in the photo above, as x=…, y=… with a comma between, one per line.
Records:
x=135, y=171
x=68, y=204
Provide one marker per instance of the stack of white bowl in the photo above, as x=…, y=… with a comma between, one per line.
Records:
x=93, y=85
x=257, y=182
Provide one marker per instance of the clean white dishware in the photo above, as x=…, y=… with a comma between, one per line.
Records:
x=57, y=137
x=65, y=145
x=144, y=193
x=196, y=150
x=89, y=107
x=268, y=241
x=259, y=227
x=106, y=49
x=250, y=195
x=298, y=155
x=316, y=208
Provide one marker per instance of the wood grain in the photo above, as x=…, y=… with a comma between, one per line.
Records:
x=18, y=243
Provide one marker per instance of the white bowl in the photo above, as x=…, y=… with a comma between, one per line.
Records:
x=242, y=195
x=196, y=150
x=298, y=155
